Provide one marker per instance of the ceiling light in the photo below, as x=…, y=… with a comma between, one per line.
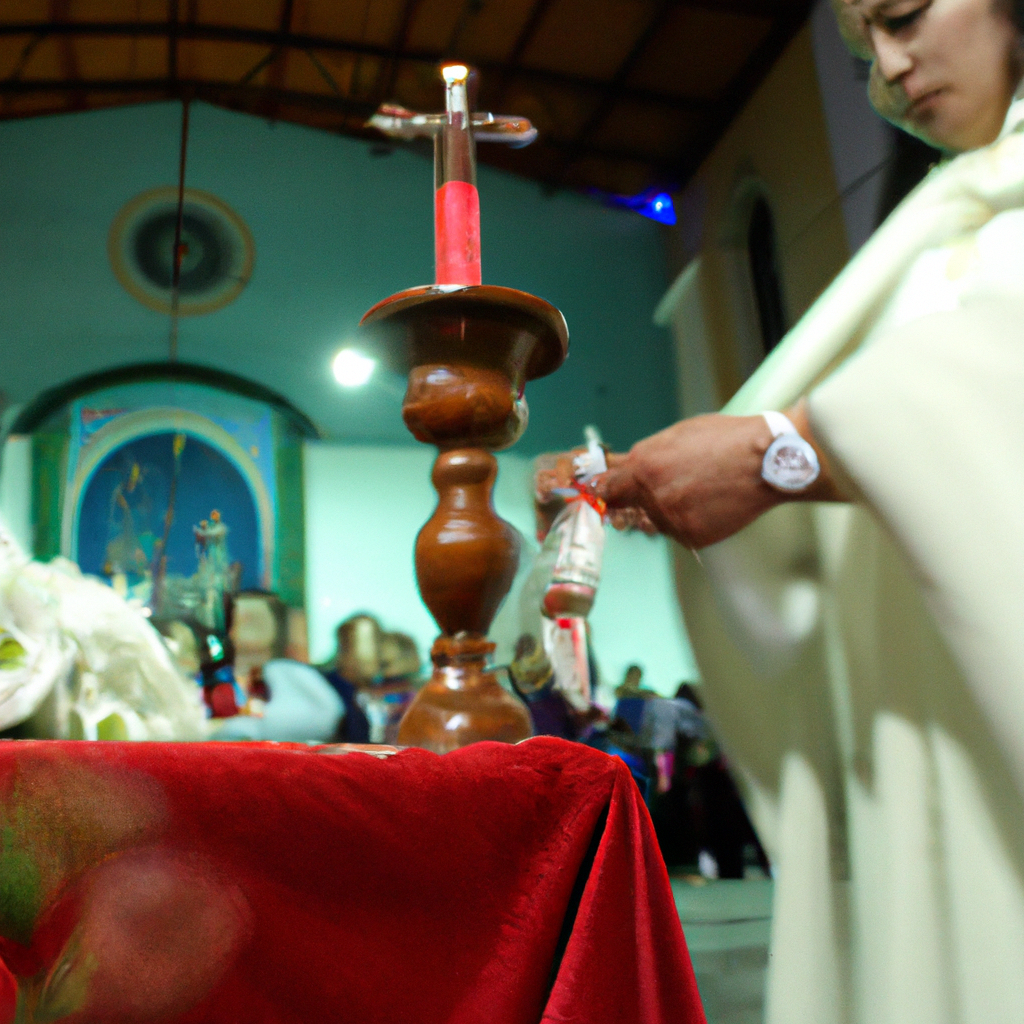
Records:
x=351, y=368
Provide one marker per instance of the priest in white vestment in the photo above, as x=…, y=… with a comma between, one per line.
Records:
x=858, y=613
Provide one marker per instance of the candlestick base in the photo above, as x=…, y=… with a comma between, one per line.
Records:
x=469, y=352
x=463, y=702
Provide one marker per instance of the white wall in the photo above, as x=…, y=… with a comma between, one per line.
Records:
x=16, y=488
x=682, y=310
x=364, y=507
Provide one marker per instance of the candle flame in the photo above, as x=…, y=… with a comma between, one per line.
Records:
x=455, y=73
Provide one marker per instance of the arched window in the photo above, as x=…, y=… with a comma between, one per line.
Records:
x=764, y=274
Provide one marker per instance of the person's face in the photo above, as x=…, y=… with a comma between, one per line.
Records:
x=253, y=628
x=943, y=70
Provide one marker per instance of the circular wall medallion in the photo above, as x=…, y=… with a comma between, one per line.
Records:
x=218, y=250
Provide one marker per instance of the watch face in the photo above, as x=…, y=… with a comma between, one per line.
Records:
x=790, y=464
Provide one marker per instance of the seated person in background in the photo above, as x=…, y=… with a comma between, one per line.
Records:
x=376, y=674
x=356, y=664
x=300, y=708
x=552, y=712
x=223, y=696
x=400, y=667
x=286, y=700
x=630, y=699
x=258, y=629
x=699, y=816
x=209, y=659
x=533, y=680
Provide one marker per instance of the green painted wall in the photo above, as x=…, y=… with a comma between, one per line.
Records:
x=336, y=229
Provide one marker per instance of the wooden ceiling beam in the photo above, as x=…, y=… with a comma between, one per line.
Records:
x=201, y=89
x=747, y=8
x=180, y=87
x=515, y=55
x=528, y=31
x=26, y=54
x=172, y=40
x=271, y=57
x=59, y=11
x=199, y=30
x=278, y=64
x=613, y=153
x=468, y=11
x=385, y=85
x=291, y=40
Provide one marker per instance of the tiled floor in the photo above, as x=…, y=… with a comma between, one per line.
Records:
x=726, y=925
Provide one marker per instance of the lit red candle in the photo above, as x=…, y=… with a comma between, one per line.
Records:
x=456, y=199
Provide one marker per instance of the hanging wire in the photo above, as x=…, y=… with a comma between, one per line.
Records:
x=177, y=254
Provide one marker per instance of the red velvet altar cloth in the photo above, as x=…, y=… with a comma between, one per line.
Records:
x=232, y=882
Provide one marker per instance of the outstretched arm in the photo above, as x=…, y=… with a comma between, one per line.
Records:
x=699, y=480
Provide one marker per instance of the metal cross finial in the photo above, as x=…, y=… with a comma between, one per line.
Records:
x=400, y=123
x=456, y=200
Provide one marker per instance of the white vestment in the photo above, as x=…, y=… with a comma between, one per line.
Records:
x=865, y=663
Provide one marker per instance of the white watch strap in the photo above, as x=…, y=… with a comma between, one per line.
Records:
x=779, y=424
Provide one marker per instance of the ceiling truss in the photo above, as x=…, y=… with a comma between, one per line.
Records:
x=576, y=153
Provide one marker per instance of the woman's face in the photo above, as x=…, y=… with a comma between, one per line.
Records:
x=943, y=70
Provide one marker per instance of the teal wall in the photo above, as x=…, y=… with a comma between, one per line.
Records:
x=336, y=229
x=364, y=507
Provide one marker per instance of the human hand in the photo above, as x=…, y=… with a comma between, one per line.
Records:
x=698, y=481
x=557, y=473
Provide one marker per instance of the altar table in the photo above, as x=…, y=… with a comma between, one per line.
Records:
x=265, y=883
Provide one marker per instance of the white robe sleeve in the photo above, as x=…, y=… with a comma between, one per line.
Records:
x=928, y=424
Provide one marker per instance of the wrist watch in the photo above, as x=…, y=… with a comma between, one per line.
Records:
x=790, y=464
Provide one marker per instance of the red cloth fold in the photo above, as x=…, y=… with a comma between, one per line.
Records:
x=221, y=882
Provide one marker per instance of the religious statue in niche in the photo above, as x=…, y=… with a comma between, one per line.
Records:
x=129, y=551
x=149, y=505
x=216, y=577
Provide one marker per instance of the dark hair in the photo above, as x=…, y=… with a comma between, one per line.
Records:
x=687, y=691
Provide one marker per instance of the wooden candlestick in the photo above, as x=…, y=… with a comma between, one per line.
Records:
x=469, y=353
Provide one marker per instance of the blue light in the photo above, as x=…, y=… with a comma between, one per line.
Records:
x=659, y=208
x=651, y=204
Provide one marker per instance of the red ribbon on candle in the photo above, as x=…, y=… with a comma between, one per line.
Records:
x=585, y=493
x=457, y=233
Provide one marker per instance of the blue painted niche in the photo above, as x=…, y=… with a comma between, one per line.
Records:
x=121, y=518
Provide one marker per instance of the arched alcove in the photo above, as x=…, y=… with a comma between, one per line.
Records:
x=136, y=428
x=91, y=435
x=757, y=307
